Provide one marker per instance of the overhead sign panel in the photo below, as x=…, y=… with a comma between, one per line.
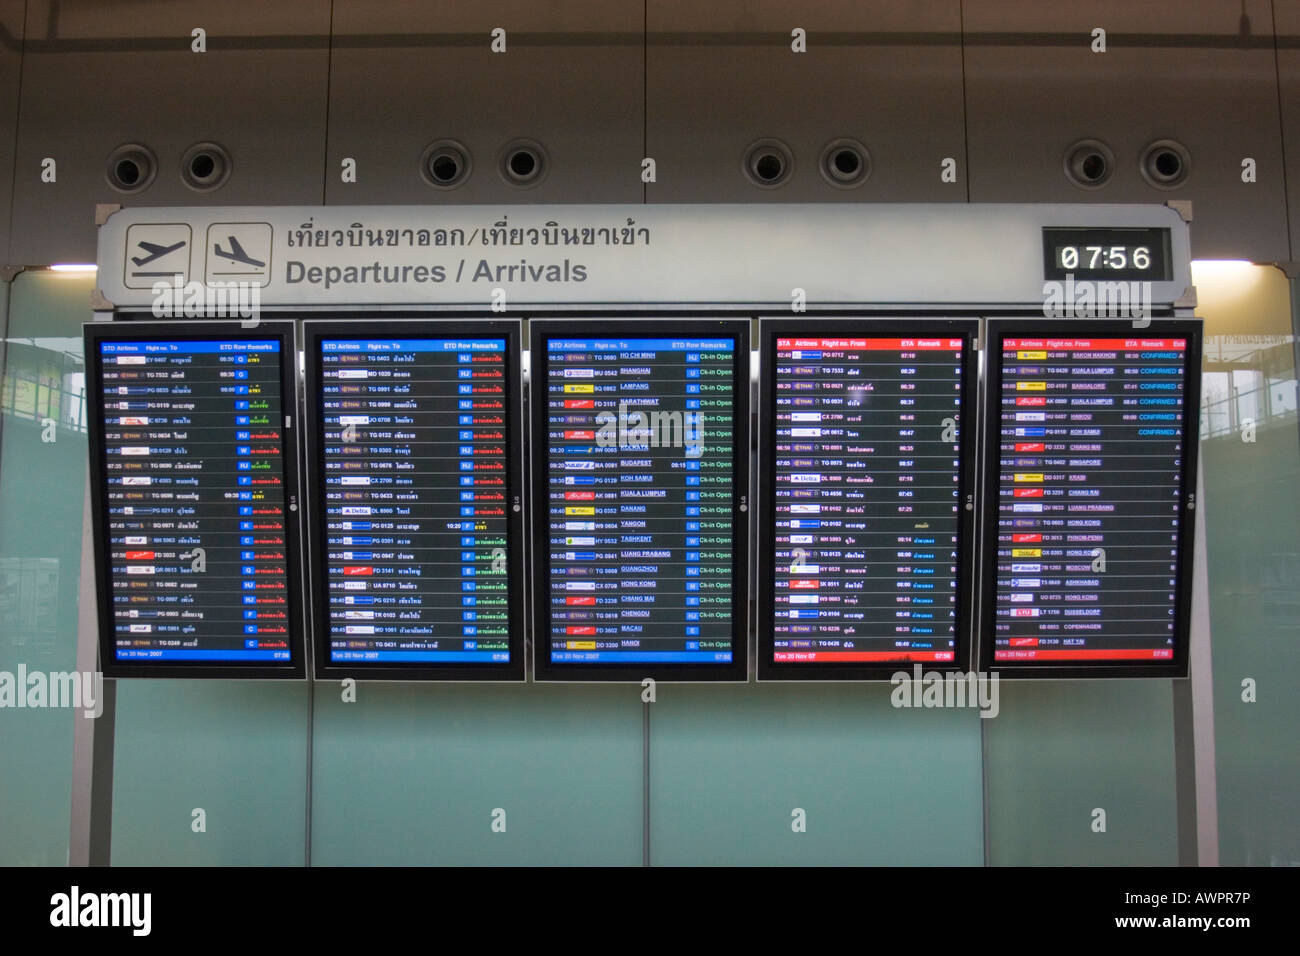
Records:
x=659, y=256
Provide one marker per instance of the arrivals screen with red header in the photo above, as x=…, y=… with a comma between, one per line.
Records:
x=193, y=462
x=1090, y=472
x=865, y=503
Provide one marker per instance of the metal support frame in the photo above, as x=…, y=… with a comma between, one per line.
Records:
x=645, y=783
x=1193, y=699
x=91, y=834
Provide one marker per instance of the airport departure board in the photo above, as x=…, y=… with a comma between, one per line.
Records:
x=193, y=464
x=640, y=448
x=416, y=499
x=1090, y=482
x=866, y=497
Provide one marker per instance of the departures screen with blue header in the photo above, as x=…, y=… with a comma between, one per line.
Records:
x=195, y=499
x=415, y=484
x=640, y=499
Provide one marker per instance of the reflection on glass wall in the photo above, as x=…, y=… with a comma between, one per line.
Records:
x=42, y=488
x=1249, y=378
x=1250, y=455
x=44, y=380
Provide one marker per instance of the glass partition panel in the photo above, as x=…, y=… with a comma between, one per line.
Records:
x=42, y=496
x=1250, y=455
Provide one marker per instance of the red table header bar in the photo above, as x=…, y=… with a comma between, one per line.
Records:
x=1089, y=344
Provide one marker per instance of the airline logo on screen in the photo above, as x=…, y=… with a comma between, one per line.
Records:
x=866, y=510
x=640, y=501
x=1089, y=490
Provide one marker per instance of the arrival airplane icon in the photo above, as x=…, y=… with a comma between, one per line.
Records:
x=236, y=253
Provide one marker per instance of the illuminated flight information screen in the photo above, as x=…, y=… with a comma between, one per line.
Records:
x=641, y=445
x=865, y=498
x=193, y=466
x=1089, y=469
x=417, y=499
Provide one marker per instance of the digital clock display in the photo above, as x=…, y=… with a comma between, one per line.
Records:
x=1107, y=254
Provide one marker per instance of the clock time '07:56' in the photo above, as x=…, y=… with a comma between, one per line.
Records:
x=1106, y=253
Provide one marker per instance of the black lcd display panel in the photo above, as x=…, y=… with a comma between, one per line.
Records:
x=194, y=498
x=640, y=464
x=1125, y=253
x=416, y=499
x=866, y=496
x=1091, y=437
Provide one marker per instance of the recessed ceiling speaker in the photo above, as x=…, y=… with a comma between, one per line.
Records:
x=131, y=168
x=845, y=163
x=445, y=164
x=205, y=167
x=1166, y=164
x=1089, y=164
x=768, y=163
x=523, y=163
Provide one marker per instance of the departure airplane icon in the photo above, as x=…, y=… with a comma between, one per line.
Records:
x=236, y=253
x=155, y=251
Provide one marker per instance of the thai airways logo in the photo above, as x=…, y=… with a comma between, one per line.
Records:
x=104, y=910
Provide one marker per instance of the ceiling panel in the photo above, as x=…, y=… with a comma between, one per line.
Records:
x=1199, y=72
x=405, y=76
x=723, y=76
x=97, y=75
